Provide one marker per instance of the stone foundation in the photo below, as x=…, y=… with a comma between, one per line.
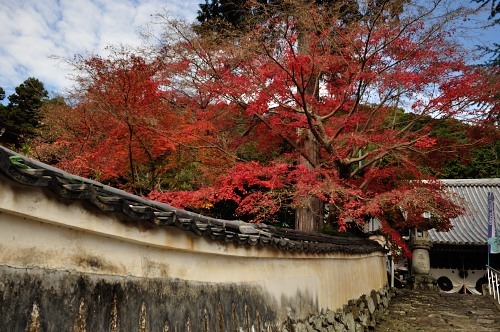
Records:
x=423, y=282
x=356, y=316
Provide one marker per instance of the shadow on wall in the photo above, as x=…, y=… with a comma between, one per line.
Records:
x=38, y=300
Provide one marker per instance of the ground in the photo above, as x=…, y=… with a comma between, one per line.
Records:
x=425, y=311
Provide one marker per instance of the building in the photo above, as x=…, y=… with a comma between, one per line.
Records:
x=458, y=257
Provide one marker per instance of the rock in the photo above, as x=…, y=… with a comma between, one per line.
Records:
x=385, y=302
x=364, y=316
x=339, y=315
x=370, y=304
x=330, y=317
x=316, y=322
x=309, y=327
x=300, y=327
x=359, y=327
x=349, y=322
x=355, y=312
x=339, y=327
x=375, y=296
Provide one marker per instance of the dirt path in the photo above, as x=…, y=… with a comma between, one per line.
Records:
x=413, y=311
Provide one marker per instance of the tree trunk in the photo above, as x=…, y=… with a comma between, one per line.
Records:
x=310, y=217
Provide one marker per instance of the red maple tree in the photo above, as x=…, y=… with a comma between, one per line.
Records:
x=127, y=126
x=330, y=95
x=256, y=123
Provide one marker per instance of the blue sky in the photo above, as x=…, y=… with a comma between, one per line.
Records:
x=33, y=32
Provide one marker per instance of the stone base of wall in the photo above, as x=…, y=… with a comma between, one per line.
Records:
x=356, y=316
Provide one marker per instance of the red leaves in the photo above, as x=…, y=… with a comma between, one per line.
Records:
x=343, y=88
x=397, y=245
x=259, y=191
x=266, y=119
x=425, y=142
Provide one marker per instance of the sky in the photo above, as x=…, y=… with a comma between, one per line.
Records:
x=35, y=33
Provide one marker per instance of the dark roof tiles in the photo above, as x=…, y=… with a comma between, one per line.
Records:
x=471, y=227
x=107, y=199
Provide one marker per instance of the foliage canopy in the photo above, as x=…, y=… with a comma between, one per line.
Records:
x=302, y=103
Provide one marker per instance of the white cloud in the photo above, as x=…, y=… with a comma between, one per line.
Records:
x=35, y=31
x=32, y=31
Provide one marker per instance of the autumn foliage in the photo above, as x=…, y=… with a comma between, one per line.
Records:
x=302, y=105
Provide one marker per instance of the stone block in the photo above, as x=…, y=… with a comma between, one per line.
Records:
x=316, y=322
x=385, y=302
x=349, y=322
x=364, y=316
x=375, y=296
x=330, y=317
x=359, y=327
x=370, y=304
x=339, y=315
x=300, y=327
x=309, y=327
x=355, y=312
x=339, y=327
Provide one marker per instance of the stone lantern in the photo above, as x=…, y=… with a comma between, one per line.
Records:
x=420, y=244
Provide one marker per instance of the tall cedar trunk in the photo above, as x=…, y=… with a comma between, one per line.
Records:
x=309, y=218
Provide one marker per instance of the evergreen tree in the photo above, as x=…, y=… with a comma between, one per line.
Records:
x=493, y=50
x=21, y=115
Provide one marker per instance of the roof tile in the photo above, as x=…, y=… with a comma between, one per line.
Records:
x=107, y=199
x=470, y=228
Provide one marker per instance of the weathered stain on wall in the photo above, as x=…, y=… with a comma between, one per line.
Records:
x=42, y=300
x=36, y=300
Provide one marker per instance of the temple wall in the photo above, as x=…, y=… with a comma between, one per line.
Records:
x=62, y=262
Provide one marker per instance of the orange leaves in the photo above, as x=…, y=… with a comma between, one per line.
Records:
x=425, y=142
x=346, y=88
x=112, y=132
x=302, y=105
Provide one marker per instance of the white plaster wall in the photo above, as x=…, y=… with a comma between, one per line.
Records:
x=38, y=230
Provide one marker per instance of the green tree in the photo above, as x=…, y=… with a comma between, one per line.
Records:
x=21, y=115
x=220, y=15
x=2, y=106
x=462, y=150
x=2, y=109
x=494, y=49
x=483, y=162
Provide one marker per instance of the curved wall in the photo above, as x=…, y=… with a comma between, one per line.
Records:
x=65, y=252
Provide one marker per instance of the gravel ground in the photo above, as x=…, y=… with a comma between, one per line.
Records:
x=411, y=311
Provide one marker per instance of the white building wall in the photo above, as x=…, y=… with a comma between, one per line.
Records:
x=38, y=230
